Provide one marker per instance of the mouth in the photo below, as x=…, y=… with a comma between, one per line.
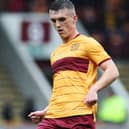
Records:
x=60, y=31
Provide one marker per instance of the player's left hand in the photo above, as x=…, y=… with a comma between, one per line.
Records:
x=91, y=97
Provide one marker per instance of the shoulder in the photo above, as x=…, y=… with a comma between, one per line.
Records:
x=89, y=41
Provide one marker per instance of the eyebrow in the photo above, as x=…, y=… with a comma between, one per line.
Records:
x=61, y=19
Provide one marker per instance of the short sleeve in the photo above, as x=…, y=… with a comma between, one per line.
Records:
x=96, y=52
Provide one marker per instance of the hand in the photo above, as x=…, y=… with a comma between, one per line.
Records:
x=36, y=116
x=91, y=97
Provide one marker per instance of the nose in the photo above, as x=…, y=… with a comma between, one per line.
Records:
x=57, y=23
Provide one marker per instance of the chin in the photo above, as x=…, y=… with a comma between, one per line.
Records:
x=63, y=36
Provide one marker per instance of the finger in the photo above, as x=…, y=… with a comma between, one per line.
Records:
x=35, y=117
x=90, y=103
x=36, y=120
x=31, y=114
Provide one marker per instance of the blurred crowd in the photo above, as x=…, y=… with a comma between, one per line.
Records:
x=105, y=20
x=37, y=6
x=108, y=22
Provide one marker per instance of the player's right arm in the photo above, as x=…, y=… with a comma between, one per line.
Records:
x=37, y=116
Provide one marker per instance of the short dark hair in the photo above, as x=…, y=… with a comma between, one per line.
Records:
x=61, y=4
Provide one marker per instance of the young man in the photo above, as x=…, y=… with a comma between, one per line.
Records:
x=74, y=64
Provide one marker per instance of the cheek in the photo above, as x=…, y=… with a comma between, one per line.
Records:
x=69, y=26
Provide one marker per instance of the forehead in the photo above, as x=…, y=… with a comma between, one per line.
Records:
x=59, y=13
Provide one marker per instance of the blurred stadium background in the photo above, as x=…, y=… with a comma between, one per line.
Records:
x=27, y=39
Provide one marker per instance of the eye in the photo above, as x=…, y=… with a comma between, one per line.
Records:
x=53, y=20
x=62, y=19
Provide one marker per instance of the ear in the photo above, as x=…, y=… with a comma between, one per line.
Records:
x=75, y=19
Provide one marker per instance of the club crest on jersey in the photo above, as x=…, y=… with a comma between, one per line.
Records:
x=74, y=47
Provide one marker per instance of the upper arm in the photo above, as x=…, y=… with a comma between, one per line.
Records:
x=110, y=66
x=107, y=64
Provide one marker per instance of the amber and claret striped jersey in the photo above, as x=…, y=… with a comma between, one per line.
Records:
x=74, y=66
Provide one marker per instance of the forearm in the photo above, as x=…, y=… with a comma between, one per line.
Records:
x=109, y=75
x=106, y=79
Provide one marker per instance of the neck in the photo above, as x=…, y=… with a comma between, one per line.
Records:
x=72, y=36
